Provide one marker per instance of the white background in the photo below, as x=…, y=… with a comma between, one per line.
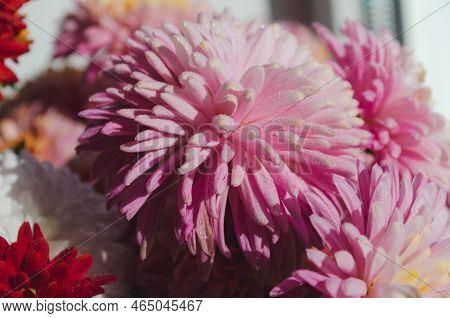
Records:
x=430, y=41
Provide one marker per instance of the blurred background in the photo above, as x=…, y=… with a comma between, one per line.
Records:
x=421, y=25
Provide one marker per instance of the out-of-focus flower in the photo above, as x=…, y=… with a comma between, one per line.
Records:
x=69, y=212
x=26, y=270
x=13, y=38
x=99, y=28
x=48, y=135
x=241, y=112
x=394, y=101
x=393, y=242
x=307, y=37
x=43, y=118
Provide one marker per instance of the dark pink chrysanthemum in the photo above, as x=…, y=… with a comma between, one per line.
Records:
x=242, y=112
x=393, y=241
x=394, y=101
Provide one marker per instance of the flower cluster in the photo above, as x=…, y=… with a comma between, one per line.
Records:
x=13, y=38
x=229, y=159
x=63, y=207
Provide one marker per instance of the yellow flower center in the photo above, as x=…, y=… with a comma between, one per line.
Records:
x=415, y=268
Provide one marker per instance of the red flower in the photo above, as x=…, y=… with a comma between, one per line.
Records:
x=26, y=270
x=13, y=40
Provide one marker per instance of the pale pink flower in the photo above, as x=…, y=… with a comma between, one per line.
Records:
x=246, y=116
x=393, y=241
x=394, y=101
x=98, y=28
x=42, y=117
x=47, y=134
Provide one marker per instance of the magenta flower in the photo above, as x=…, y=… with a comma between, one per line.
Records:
x=394, y=101
x=242, y=112
x=98, y=28
x=393, y=241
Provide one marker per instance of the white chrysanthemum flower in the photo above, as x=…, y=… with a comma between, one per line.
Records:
x=69, y=212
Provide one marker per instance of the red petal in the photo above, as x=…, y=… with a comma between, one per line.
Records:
x=58, y=272
x=6, y=271
x=104, y=279
x=21, y=281
x=37, y=232
x=37, y=256
x=6, y=75
x=49, y=291
x=14, y=256
x=41, y=247
x=40, y=280
x=3, y=246
x=4, y=290
x=24, y=237
x=80, y=267
x=17, y=294
x=34, y=262
x=67, y=255
x=80, y=289
x=86, y=287
x=13, y=48
x=14, y=5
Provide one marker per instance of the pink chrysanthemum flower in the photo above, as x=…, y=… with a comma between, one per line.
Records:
x=99, y=27
x=242, y=112
x=394, y=101
x=393, y=242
